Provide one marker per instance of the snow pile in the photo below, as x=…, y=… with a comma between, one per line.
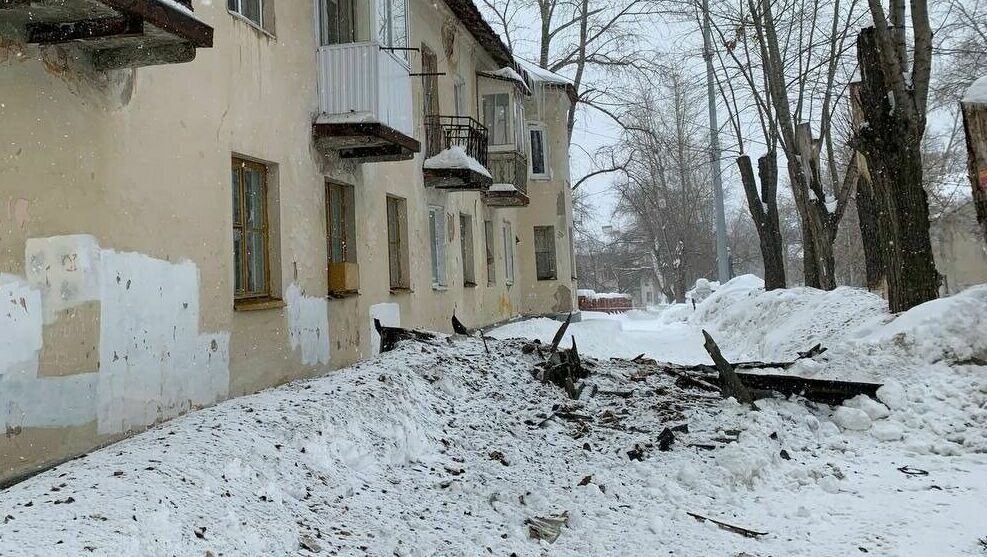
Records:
x=455, y=157
x=750, y=323
x=952, y=329
x=446, y=449
x=977, y=93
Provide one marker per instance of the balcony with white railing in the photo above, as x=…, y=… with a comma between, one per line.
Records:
x=366, y=104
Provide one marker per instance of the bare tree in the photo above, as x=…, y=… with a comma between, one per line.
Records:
x=806, y=83
x=894, y=102
x=740, y=81
x=588, y=40
x=665, y=195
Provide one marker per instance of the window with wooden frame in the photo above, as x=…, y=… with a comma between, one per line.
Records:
x=545, y=265
x=430, y=100
x=344, y=272
x=397, y=243
x=488, y=242
x=466, y=249
x=251, y=243
x=508, y=253
x=437, y=242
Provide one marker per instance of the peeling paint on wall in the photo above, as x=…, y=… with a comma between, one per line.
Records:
x=65, y=269
x=308, y=326
x=389, y=315
x=153, y=362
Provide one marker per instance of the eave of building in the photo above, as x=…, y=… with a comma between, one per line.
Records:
x=467, y=12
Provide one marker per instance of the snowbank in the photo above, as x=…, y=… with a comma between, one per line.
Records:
x=447, y=449
x=455, y=157
x=753, y=324
x=953, y=329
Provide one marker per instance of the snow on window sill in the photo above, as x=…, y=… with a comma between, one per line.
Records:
x=439, y=287
x=257, y=27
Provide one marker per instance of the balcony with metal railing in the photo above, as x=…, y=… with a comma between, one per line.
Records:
x=510, y=180
x=456, y=154
x=365, y=99
x=113, y=34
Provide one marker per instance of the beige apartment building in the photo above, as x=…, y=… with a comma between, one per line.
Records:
x=199, y=200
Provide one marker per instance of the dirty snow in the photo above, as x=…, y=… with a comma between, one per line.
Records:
x=444, y=449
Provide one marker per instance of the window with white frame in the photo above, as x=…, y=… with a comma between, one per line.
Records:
x=508, y=253
x=496, y=117
x=539, y=151
x=259, y=12
x=337, y=21
x=392, y=24
x=437, y=240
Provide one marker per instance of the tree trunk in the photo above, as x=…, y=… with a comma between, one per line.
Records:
x=866, y=204
x=764, y=212
x=891, y=141
x=867, y=217
x=975, y=126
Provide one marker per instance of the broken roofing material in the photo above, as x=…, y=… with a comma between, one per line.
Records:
x=455, y=157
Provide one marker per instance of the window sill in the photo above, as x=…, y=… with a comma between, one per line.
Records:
x=339, y=295
x=258, y=304
x=469, y=284
x=491, y=284
x=251, y=23
x=546, y=279
x=396, y=290
x=540, y=178
x=439, y=288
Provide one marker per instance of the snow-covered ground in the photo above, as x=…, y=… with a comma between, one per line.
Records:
x=443, y=449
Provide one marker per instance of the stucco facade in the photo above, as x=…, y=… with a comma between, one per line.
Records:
x=116, y=231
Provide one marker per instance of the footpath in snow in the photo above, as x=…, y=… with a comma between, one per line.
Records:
x=443, y=449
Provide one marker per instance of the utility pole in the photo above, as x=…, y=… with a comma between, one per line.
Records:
x=722, y=257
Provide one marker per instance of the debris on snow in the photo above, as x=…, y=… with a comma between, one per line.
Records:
x=729, y=527
x=547, y=528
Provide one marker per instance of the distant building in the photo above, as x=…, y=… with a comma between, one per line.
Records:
x=959, y=249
